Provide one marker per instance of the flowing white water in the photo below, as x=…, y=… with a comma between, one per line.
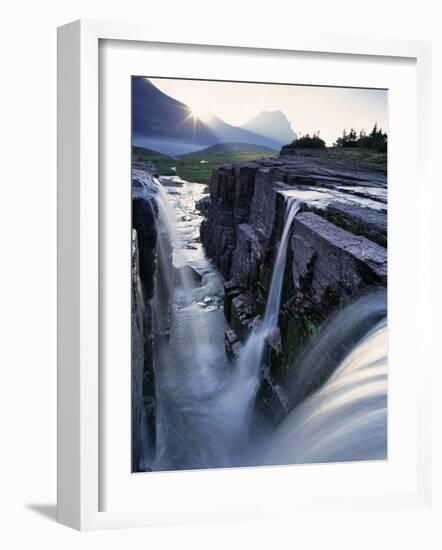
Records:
x=346, y=419
x=336, y=338
x=249, y=364
x=204, y=405
x=274, y=297
x=192, y=368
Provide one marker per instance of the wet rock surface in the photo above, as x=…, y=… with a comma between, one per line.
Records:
x=144, y=265
x=336, y=250
x=218, y=232
x=233, y=344
x=328, y=259
x=358, y=220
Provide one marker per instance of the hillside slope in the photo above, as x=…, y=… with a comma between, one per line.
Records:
x=198, y=167
x=231, y=148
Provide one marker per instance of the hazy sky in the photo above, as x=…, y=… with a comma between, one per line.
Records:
x=308, y=108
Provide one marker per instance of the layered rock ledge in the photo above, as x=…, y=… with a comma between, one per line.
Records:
x=336, y=250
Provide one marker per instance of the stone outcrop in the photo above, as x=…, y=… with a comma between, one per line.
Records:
x=144, y=223
x=231, y=191
x=144, y=261
x=233, y=344
x=359, y=220
x=336, y=250
x=327, y=268
x=307, y=167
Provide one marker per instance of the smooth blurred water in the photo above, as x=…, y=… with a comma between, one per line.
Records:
x=245, y=383
x=346, y=419
x=205, y=404
x=193, y=428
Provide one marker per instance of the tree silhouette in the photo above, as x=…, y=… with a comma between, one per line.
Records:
x=376, y=140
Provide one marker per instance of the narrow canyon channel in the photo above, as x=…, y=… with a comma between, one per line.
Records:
x=242, y=354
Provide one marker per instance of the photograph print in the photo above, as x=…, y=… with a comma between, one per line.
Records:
x=259, y=274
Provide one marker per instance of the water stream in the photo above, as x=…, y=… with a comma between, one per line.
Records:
x=245, y=383
x=205, y=404
x=194, y=369
x=346, y=419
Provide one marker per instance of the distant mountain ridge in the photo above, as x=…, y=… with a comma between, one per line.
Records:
x=164, y=124
x=231, y=134
x=272, y=124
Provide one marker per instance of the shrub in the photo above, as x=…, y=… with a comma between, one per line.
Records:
x=306, y=142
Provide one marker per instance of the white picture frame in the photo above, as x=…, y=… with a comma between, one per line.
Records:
x=79, y=293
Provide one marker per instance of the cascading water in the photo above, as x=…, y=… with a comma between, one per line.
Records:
x=346, y=419
x=247, y=380
x=193, y=368
x=204, y=405
x=274, y=297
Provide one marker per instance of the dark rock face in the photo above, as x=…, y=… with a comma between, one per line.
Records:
x=358, y=220
x=144, y=223
x=218, y=230
x=203, y=204
x=137, y=358
x=336, y=250
x=143, y=373
x=232, y=344
x=144, y=261
x=263, y=206
x=243, y=313
x=328, y=267
x=231, y=192
x=329, y=260
x=244, y=190
x=247, y=256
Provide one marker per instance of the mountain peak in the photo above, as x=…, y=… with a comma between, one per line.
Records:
x=272, y=124
x=272, y=114
x=166, y=125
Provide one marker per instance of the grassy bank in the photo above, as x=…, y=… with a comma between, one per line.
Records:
x=198, y=167
x=164, y=163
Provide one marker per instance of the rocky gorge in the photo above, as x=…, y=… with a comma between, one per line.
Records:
x=336, y=251
x=336, y=254
x=144, y=267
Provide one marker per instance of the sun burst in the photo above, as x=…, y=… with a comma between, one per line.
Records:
x=200, y=113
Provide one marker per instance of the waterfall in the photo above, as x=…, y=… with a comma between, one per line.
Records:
x=250, y=361
x=332, y=343
x=345, y=418
x=167, y=277
x=274, y=297
x=204, y=405
x=192, y=368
